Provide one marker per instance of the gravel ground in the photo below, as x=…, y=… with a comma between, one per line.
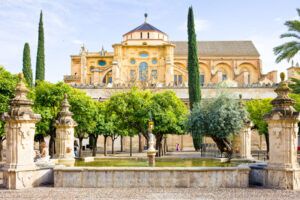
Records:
x=148, y=193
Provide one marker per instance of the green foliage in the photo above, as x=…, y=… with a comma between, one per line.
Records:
x=289, y=50
x=257, y=109
x=8, y=83
x=193, y=72
x=84, y=109
x=40, y=58
x=169, y=114
x=48, y=98
x=193, y=66
x=296, y=98
x=295, y=85
x=220, y=117
x=27, y=71
x=47, y=102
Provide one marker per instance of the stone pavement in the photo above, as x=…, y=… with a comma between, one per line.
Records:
x=45, y=193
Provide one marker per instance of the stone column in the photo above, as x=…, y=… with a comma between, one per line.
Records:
x=20, y=129
x=283, y=169
x=64, y=141
x=245, y=139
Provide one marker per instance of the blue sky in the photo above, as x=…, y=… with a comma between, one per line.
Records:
x=70, y=23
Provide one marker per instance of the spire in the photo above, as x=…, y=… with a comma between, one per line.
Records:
x=20, y=105
x=65, y=115
x=145, y=15
x=283, y=102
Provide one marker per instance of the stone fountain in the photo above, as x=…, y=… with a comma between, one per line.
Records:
x=20, y=170
x=64, y=140
x=151, y=152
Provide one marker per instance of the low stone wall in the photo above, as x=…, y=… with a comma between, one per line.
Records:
x=20, y=179
x=151, y=177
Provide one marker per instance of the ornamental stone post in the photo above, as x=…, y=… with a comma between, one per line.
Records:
x=245, y=139
x=64, y=141
x=20, y=129
x=283, y=169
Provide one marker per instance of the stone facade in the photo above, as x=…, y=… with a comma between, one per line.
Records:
x=146, y=57
x=283, y=169
x=64, y=140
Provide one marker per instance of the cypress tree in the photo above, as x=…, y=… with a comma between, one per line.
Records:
x=193, y=65
x=40, y=58
x=27, y=71
x=193, y=72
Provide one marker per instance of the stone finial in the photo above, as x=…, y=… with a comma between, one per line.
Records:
x=145, y=15
x=20, y=105
x=65, y=115
x=283, y=103
x=282, y=76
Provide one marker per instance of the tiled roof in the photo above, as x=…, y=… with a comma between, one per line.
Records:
x=145, y=27
x=219, y=48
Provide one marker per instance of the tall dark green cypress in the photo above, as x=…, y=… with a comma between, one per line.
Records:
x=193, y=72
x=193, y=65
x=40, y=58
x=27, y=71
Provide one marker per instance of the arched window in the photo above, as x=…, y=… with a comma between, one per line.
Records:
x=143, y=71
x=141, y=35
x=148, y=35
x=107, y=78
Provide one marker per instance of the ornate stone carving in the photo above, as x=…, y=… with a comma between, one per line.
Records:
x=283, y=168
x=64, y=140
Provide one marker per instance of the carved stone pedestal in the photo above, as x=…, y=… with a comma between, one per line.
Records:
x=245, y=139
x=283, y=169
x=151, y=158
x=64, y=141
x=20, y=129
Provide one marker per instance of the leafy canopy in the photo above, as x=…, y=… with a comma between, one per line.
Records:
x=8, y=83
x=220, y=117
x=290, y=49
x=257, y=109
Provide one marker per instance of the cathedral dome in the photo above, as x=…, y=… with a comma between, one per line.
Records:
x=145, y=32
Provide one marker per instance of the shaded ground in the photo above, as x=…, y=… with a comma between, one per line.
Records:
x=151, y=193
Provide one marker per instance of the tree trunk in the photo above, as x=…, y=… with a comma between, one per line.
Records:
x=224, y=145
x=94, y=147
x=158, y=144
x=105, y=150
x=1, y=148
x=165, y=145
x=130, y=146
x=267, y=143
x=140, y=143
x=112, y=145
x=52, y=145
x=122, y=149
x=80, y=146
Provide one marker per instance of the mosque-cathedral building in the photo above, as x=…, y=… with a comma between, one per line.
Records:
x=147, y=58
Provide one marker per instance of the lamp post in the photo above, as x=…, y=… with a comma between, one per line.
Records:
x=151, y=152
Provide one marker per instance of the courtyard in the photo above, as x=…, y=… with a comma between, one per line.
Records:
x=45, y=193
x=176, y=102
